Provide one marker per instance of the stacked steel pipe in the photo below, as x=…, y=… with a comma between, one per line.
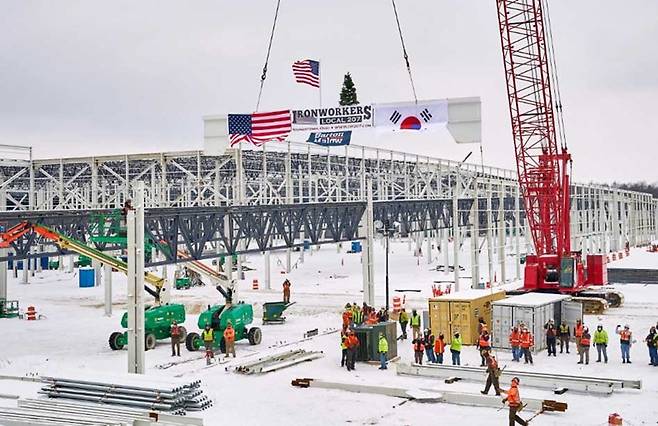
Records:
x=139, y=392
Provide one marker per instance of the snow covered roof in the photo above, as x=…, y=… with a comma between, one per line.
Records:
x=532, y=299
x=470, y=294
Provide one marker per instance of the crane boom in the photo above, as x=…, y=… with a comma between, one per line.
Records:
x=541, y=167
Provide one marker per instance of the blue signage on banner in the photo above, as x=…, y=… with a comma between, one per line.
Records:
x=331, y=138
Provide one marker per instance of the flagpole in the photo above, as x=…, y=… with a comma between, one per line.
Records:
x=320, y=81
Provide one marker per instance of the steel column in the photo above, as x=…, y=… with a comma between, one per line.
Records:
x=135, y=249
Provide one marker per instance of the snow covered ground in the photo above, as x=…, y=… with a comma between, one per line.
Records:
x=74, y=336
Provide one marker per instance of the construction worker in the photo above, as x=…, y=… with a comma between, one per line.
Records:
x=343, y=348
x=286, y=291
x=652, y=343
x=625, y=341
x=456, y=348
x=352, y=345
x=583, y=346
x=419, y=347
x=513, y=399
x=482, y=326
x=514, y=341
x=357, y=315
x=601, y=343
x=404, y=320
x=229, y=339
x=526, y=341
x=415, y=324
x=383, y=351
x=439, y=349
x=565, y=335
x=208, y=337
x=428, y=342
x=175, y=333
x=493, y=373
x=347, y=317
x=551, y=337
x=578, y=332
x=484, y=346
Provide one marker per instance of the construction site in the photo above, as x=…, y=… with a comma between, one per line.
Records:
x=228, y=282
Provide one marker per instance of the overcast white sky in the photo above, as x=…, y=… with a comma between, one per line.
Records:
x=108, y=77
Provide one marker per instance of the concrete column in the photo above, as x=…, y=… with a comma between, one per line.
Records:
x=367, y=253
x=135, y=299
x=268, y=275
x=107, y=283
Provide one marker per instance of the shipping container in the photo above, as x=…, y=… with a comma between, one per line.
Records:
x=459, y=312
x=533, y=310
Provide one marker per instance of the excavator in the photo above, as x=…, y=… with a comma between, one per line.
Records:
x=537, y=127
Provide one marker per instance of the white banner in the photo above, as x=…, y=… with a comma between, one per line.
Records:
x=411, y=116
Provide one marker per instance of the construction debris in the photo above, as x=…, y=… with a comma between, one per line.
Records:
x=53, y=412
x=557, y=382
x=140, y=392
x=431, y=395
x=278, y=361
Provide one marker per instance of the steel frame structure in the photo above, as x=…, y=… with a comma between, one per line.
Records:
x=187, y=191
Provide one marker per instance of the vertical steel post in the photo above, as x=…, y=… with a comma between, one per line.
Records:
x=107, y=283
x=517, y=233
x=135, y=248
x=367, y=254
x=475, y=239
x=268, y=274
x=3, y=275
x=455, y=229
x=502, y=234
x=490, y=269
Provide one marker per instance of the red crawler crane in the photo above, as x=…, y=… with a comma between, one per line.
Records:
x=541, y=165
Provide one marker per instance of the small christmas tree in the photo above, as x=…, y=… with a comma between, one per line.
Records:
x=348, y=92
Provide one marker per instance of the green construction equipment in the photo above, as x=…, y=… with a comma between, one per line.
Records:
x=273, y=312
x=240, y=315
x=67, y=243
x=157, y=326
x=8, y=308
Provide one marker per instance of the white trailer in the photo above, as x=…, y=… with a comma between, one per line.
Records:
x=533, y=310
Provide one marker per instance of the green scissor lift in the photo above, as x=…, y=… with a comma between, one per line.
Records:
x=8, y=308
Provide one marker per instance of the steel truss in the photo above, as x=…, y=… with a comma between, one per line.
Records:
x=603, y=218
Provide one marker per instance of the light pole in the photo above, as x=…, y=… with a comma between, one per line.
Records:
x=384, y=229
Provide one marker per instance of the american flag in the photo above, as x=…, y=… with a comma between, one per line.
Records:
x=307, y=72
x=259, y=127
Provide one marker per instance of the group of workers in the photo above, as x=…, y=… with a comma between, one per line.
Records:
x=355, y=315
x=434, y=348
x=208, y=337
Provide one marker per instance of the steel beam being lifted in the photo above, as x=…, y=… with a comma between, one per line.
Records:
x=598, y=385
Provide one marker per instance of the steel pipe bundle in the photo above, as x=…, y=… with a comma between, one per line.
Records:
x=277, y=361
x=38, y=412
x=146, y=393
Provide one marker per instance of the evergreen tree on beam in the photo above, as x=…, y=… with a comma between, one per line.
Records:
x=348, y=92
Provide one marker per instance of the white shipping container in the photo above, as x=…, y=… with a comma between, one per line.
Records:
x=534, y=310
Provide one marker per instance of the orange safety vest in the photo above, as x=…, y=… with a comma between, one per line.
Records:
x=439, y=346
x=352, y=342
x=492, y=363
x=579, y=330
x=625, y=335
x=346, y=318
x=513, y=398
x=526, y=340
x=514, y=338
x=418, y=346
x=229, y=334
x=484, y=343
x=585, y=340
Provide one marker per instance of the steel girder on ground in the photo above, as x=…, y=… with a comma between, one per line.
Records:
x=244, y=229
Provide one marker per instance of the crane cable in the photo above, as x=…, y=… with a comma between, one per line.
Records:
x=404, y=51
x=555, y=87
x=267, y=58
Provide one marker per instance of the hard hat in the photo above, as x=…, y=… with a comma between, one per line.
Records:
x=516, y=379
